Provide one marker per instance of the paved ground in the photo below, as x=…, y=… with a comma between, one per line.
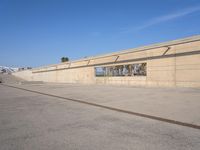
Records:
x=33, y=121
x=180, y=104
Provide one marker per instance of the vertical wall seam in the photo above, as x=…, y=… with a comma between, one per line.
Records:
x=175, y=84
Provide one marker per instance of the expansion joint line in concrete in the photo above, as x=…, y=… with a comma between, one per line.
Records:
x=112, y=108
x=125, y=61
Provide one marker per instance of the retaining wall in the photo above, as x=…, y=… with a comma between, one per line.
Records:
x=174, y=63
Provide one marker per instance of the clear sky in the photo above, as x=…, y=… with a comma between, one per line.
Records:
x=40, y=32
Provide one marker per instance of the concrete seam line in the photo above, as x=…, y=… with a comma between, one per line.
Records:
x=133, y=51
x=125, y=61
x=114, y=109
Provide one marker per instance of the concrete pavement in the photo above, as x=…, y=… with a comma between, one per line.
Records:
x=34, y=122
x=30, y=120
x=180, y=104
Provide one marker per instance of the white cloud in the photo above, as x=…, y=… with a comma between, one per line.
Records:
x=164, y=18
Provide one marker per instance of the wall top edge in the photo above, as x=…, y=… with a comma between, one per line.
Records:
x=132, y=50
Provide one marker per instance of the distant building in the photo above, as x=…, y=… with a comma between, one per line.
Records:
x=24, y=68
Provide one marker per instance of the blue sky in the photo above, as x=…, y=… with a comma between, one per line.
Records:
x=40, y=32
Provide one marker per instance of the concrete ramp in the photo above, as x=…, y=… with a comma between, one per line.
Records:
x=8, y=78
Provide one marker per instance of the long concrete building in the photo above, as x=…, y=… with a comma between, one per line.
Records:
x=169, y=64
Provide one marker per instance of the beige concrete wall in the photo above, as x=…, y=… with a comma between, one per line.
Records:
x=188, y=66
x=80, y=75
x=175, y=63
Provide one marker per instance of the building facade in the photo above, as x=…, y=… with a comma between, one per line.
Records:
x=170, y=64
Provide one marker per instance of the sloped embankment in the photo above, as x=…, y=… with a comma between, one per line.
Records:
x=10, y=79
